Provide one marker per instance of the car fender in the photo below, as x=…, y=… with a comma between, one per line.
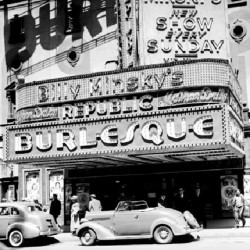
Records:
x=28, y=229
x=165, y=221
x=101, y=231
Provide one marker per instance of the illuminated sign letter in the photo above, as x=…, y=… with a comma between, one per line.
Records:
x=23, y=142
x=107, y=134
x=145, y=102
x=83, y=139
x=115, y=106
x=65, y=137
x=39, y=141
x=203, y=126
x=171, y=129
x=154, y=135
x=94, y=86
x=89, y=108
x=67, y=111
x=130, y=133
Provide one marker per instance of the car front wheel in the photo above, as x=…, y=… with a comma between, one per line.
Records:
x=163, y=235
x=15, y=238
x=87, y=237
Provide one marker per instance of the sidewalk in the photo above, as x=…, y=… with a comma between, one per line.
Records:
x=223, y=228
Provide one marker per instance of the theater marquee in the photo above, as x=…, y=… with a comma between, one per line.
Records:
x=168, y=131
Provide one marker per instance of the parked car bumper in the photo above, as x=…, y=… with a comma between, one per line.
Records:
x=50, y=232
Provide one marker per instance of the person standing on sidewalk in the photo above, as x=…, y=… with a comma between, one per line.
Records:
x=238, y=207
x=55, y=207
x=94, y=204
x=162, y=201
x=198, y=205
x=74, y=216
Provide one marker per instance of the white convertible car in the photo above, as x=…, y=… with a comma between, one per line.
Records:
x=135, y=220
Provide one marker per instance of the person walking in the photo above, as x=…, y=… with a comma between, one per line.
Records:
x=74, y=216
x=55, y=207
x=238, y=207
x=198, y=207
x=94, y=204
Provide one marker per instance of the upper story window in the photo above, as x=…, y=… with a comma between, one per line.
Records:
x=11, y=97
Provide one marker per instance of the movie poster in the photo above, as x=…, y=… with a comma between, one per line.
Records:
x=68, y=195
x=56, y=184
x=247, y=187
x=229, y=184
x=33, y=185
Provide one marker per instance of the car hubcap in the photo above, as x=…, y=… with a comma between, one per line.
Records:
x=16, y=238
x=163, y=234
x=87, y=236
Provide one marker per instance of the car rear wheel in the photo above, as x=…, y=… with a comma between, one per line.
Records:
x=87, y=237
x=15, y=238
x=163, y=235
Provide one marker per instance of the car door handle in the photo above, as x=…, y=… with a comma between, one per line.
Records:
x=136, y=216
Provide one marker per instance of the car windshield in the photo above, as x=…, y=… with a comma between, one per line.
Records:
x=132, y=205
x=34, y=208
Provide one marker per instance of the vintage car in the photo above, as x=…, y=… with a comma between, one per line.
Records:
x=24, y=220
x=135, y=220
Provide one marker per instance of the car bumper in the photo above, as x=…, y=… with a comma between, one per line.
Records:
x=50, y=232
x=194, y=230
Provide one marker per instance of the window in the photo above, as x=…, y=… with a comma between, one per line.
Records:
x=4, y=211
x=14, y=211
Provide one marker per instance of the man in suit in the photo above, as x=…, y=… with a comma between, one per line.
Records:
x=94, y=204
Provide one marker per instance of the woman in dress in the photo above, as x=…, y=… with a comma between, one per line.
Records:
x=74, y=217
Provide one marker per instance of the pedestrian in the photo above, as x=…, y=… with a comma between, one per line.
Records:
x=74, y=216
x=238, y=207
x=162, y=201
x=94, y=204
x=198, y=207
x=182, y=203
x=55, y=207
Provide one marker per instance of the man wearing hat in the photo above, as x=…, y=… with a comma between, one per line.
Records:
x=94, y=204
x=182, y=203
x=198, y=204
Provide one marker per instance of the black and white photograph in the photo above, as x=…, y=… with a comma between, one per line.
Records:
x=124, y=124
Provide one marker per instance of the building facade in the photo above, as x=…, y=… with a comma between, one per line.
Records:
x=124, y=99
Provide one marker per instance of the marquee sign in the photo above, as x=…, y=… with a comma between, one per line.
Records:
x=37, y=114
x=171, y=76
x=182, y=29
x=169, y=131
x=121, y=106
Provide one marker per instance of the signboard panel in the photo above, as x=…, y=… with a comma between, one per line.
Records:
x=175, y=75
x=131, y=104
x=169, y=130
x=182, y=29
